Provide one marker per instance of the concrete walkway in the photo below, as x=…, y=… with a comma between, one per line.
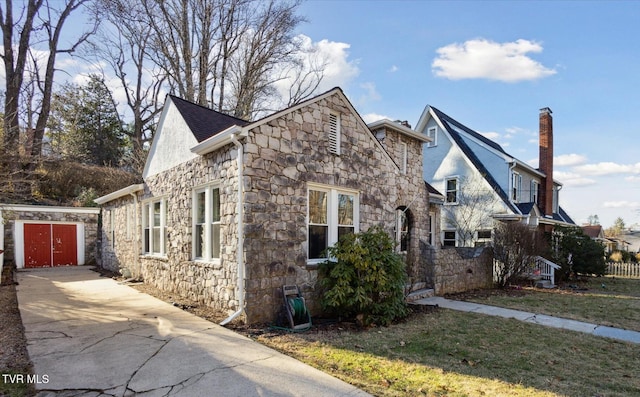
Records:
x=541, y=319
x=90, y=336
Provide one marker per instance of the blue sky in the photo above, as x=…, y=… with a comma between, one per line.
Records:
x=492, y=66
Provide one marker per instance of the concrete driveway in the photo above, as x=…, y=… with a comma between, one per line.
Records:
x=90, y=336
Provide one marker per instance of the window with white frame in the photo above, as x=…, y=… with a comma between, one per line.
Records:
x=154, y=215
x=451, y=190
x=332, y=213
x=483, y=237
x=334, y=133
x=516, y=186
x=535, y=186
x=449, y=238
x=206, y=223
x=432, y=133
x=402, y=230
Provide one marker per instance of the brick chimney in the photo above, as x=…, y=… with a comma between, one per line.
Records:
x=545, y=201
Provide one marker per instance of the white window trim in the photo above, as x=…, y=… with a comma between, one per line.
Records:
x=455, y=238
x=535, y=186
x=400, y=214
x=146, y=219
x=206, y=249
x=457, y=201
x=433, y=134
x=332, y=214
x=516, y=187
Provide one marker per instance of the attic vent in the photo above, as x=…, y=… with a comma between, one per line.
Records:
x=334, y=133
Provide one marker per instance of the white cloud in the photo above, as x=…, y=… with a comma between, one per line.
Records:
x=632, y=178
x=371, y=117
x=393, y=69
x=569, y=159
x=485, y=59
x=371, y=94
x=621, y=204
x=340, y=70
x=608, y=168
x=572, y=179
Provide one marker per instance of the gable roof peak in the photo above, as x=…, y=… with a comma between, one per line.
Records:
x=204, y=122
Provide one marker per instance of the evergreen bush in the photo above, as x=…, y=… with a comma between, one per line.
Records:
x=364, y=278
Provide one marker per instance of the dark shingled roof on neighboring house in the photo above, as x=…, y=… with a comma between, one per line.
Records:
x=523, y=208
x=204, y=122
x=448, y=122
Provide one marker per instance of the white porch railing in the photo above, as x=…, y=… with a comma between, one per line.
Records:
x=628, y=270
x=545, y=269
x=541, y=269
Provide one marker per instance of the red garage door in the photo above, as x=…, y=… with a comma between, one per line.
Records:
x=48, y=245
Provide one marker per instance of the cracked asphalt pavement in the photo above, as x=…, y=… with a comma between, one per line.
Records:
x=91, y=336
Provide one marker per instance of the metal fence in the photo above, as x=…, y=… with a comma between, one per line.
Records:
x=627, y=270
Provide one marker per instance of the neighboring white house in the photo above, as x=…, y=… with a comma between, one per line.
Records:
x=483, y=183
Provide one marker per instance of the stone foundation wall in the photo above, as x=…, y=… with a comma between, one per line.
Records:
x=461, y=269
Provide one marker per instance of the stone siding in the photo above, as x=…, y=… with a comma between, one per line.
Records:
x=286, y=154
x=282, y=156
x=461, y=269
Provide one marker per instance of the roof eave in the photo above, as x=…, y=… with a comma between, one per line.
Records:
x=219, y=140
x=386, y=123
x=119, y=193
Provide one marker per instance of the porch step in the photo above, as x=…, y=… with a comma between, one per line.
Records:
x=546, y=284
x=420, y=294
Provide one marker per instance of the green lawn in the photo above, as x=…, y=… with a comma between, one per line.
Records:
x=449, y=353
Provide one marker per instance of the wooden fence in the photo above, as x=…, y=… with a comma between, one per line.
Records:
x=628, y=270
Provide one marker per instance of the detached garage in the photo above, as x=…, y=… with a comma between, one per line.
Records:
x=44, y=236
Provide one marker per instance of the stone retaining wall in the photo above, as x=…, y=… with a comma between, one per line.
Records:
x=461, y=269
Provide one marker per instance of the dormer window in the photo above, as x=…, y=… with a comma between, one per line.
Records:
x=334, y=133
x=516, y=186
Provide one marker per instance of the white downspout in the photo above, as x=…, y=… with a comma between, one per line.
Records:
x=137, y=234
x=240, y=246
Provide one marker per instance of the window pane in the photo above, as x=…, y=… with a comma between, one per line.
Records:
x=345, y=209
x=156, y=240
x=344, y=230
x=146, y=240
x=215, y=205
x=215, y=240
x=318, y=236
x=317, y=207
x=200, y=207
x=198, y=240
x=156, y=214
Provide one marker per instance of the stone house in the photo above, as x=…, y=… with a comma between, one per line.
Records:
x=230, y=210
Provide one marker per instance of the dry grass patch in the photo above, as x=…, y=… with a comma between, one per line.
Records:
x=448, y=353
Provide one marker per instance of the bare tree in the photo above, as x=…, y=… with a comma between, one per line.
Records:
x=123, y=45
x=475, y=203
x=37, y=23
x=229, y=54
x=515, y=245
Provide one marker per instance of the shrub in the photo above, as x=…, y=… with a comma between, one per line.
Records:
x=577, y=253
x=364, y=278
